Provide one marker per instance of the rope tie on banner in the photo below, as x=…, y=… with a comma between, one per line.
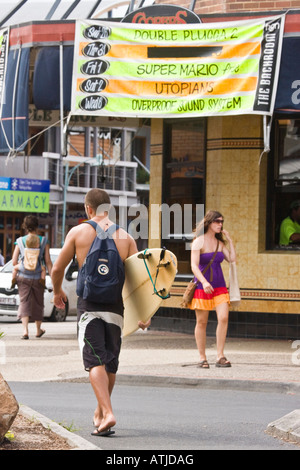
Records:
x=156, y=292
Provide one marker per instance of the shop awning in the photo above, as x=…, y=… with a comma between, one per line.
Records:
x=46, y=82
x=14, y=119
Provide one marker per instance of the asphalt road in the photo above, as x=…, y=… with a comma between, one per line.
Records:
x=154, y=418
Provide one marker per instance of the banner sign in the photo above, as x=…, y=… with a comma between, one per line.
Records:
x=4, y=45
x=149, y=70
x=24, y=195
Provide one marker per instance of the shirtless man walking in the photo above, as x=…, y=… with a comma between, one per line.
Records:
x=100, y=324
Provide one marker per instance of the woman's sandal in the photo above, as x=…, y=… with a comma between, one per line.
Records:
x=223, y=362
x=41, y=334
x=203, y=364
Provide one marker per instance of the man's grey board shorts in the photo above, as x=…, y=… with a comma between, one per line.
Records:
x=99, y=337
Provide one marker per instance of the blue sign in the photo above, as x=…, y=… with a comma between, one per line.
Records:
x=24, y=184
x=4, y=183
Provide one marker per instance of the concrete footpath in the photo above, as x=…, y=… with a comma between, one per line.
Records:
x=160, y=358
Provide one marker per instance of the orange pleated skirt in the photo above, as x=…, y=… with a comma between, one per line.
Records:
x=203, y=301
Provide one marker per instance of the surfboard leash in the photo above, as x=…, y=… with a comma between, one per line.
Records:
x=156, y=292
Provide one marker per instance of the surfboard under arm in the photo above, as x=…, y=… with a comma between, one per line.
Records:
x=149, y=276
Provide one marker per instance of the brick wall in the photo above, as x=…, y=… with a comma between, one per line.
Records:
x=229, y=6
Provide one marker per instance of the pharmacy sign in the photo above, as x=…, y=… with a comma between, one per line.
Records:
x=24, y=195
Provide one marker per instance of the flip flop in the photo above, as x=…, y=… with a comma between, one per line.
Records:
x=41, y=334
x=105, y=433
x=25, y=337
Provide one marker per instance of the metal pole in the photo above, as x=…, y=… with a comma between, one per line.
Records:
x=65, y=185
x=56, y=222
x=61, y=94
x=94, y=9
x=13, y=11
x=131, y=6
x=70, y=9
x=52, y=10
x=63, y=229
x=192, y=5
x=141, y=164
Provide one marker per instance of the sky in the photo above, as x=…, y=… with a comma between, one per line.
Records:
x=36, y=10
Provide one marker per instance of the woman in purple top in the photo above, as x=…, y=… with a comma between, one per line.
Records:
x=208, y=252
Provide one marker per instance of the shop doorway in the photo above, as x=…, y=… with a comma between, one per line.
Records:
x=10, y=230
x=183, y=181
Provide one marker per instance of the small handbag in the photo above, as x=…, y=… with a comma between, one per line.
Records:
x=191, y=287
x=188, y=294
x=234, y=290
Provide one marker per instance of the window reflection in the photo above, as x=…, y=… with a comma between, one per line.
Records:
x=289, y=151
x=283, y=177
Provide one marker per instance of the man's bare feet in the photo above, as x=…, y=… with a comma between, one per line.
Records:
x=105, y=427
x=98, y=417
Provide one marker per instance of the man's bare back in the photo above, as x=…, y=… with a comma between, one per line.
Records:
x=83, y=236
x=79, y=241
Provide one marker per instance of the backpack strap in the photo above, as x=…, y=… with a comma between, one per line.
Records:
x=103, y=233
x=92, y=223
x=21, y=246
x=97, y=228
x=112, y=229
x=42, y=247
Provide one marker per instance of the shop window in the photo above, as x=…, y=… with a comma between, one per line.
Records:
x=10, y=230
x=283, y=178
x=139, y=149
x=183, y=185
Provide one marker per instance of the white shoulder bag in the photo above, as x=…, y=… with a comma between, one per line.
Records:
x=234, y=290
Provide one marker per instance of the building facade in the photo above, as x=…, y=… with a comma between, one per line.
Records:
x=38, y=144
x=251, y=188
x=218, y=162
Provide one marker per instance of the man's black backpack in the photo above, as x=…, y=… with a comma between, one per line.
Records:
x=102, y=275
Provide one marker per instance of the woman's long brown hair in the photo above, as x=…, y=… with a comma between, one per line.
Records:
x=202, y=226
